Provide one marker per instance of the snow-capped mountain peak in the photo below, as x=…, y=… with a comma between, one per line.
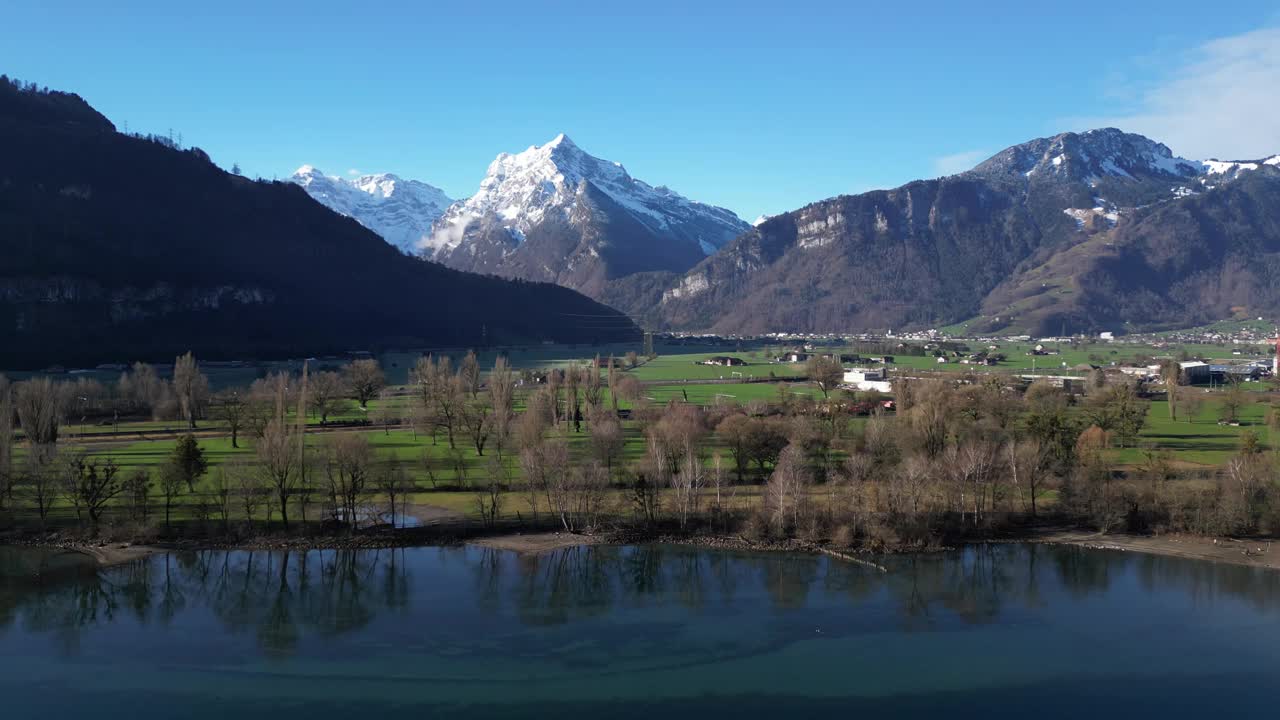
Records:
x=523, y=190
x=557, y=213
x=399, y=210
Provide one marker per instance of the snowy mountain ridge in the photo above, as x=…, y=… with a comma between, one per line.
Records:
x=1107, y=153
x=399, y=210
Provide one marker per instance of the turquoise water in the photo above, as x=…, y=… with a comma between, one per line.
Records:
x=648, y=631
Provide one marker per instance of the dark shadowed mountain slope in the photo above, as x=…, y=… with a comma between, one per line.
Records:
x=119, y=247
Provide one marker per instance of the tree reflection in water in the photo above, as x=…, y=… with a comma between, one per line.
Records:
x=282, y=600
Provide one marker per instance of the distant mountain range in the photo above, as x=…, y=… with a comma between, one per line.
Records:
x=1101, y=230
x=120, y=247
x=551, y=213
x=1079, y=231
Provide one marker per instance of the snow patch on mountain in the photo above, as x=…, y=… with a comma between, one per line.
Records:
x=401, y=211
x=1233, y=168
x=1090, y=156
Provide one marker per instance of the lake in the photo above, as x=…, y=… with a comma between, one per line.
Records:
x=629, y=632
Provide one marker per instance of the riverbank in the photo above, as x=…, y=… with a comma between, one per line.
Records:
x=1250, y=552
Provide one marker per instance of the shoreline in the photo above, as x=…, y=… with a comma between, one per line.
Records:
x=1248, y=552
x=1251, y=552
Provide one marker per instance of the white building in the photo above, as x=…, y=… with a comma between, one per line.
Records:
x=868, y=379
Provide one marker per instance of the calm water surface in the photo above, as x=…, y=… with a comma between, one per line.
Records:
x=649, y=631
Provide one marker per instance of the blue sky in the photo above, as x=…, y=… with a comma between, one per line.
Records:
x=758, y=106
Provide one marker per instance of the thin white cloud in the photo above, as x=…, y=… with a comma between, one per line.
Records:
x=354, y=172
x=958, y=162
x=1220, y=99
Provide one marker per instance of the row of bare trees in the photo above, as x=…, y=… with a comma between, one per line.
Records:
x=958, y=456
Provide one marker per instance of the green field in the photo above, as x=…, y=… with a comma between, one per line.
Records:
x=686, y=366
x=1202, y=441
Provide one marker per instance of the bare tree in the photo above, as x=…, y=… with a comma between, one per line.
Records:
x=254, y=492
x=735, y=431
x=489, y=494
x=280, y=455
x=973, y=467
x=786, y=492
x=325, y=394
x=40, y=479
x=221, y=488
x=364, y=379
x=1190, y=403
x=628, y=388
x=88, y=485
x=545, y=466
x=613, y=383
x=393, y=482
x=606, y=437
x=930, y=418
x=475, y=419
x=264, y=396
x=1233, y=398
x=441, y=394
x=172, y=484
x=591, y=389
x=573, y=408
x=40, y=403
x=502, y=391
x=573, y=493
x=469, y=372
x=825, y=372
x=348, y=466
x=231, y=407
x=1171, y=374
x=137, y=494
x=687, y=485
x=147, y=391
x=191, y=388
x=555, y=378
x=385, y=413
